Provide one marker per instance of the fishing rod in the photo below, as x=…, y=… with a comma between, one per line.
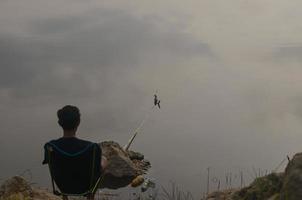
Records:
x=137, y=130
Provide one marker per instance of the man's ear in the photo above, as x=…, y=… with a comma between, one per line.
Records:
x=59, y=122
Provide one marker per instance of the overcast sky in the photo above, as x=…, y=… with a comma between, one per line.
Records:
x=228, y=74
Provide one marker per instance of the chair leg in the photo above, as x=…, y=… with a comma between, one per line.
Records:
x=65, y=197
x=90, y=197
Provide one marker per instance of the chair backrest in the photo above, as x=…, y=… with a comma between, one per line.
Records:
x=74, y=174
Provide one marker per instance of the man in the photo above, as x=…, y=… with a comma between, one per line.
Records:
x=69, y=120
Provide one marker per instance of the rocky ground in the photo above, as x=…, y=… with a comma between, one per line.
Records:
x=281, y=186
x=125, y=166
x=17, y=188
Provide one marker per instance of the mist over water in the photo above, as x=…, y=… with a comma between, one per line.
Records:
x=227, y=74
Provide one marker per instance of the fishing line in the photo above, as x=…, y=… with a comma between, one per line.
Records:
x=137, y=130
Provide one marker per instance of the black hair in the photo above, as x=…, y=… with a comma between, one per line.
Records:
x=69, y=117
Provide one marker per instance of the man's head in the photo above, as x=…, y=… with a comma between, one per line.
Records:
x=69, y=117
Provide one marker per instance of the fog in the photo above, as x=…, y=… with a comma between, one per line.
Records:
x=228, y=74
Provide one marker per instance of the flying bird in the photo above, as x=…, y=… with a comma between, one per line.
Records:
x=156, y=101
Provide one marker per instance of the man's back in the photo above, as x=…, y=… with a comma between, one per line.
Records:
x=69, y=145
x=74, y=164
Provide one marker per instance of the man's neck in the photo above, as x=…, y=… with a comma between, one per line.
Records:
x=69, y=133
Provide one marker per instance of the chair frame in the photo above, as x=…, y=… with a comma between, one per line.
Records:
x=89, y=194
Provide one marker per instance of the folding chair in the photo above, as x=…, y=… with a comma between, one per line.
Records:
x=70, y=175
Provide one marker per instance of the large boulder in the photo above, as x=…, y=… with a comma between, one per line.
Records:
x=123, y=166
x=292, y=184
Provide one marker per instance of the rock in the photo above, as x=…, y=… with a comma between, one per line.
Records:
x=275, y=197
x=143, y=166
x=135, y=155
x=292, y=185
x=123, y=166
x=41, y=194
x=17, y=188
x=262, y=188
x=221, y=195
x=275, y=186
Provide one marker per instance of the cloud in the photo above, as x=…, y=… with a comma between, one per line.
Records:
x=68, y=57
x=289, y=53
